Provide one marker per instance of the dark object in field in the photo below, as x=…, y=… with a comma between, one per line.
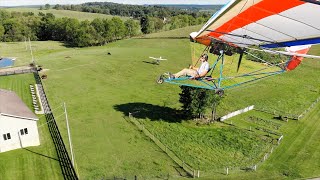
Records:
x=109, y=53
x=67, y=57
x=44, y=76
x=281, y=117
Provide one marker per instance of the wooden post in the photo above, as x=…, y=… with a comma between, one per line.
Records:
x=198, y=173
x=227, y=171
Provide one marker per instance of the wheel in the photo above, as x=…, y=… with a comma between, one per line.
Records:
x=219, y=92
x=160, y=80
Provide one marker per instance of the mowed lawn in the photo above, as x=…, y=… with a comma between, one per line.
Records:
x=65, y=13
x=100, y=89
x=32, y=162
x=92, y=83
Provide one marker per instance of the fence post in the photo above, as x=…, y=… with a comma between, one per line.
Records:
x=227, y=171
x=198, y=173
x=280, y=139
x=255, y=167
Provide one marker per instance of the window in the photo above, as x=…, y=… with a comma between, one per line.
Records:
x=6, y=136
x=23, y=131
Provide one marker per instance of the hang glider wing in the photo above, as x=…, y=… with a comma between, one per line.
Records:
x=264, y=23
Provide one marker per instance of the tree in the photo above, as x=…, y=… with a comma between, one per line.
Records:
x=158, y=24
x=46, y=27
x=1, y=32
x=186, y=100
x=71, y=27
x=41, y=8
x=119, y=33
x=85, y=35
x=47, y=6
x=144, y=24
x=199, y=102
x=13, y=30
x=195, y=102
x=132, y=28
x=213, y=102
x=97, y=24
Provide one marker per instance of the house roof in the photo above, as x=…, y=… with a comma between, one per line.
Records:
x=12, y=105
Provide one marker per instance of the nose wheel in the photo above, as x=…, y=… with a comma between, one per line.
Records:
x=160, y=80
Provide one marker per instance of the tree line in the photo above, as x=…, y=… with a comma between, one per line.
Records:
x=134, y=11
x=16, y=26
x=152, y=18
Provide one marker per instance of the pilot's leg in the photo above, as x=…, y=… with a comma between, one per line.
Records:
x=186, y=72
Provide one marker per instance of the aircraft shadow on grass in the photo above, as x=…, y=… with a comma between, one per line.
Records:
x=148, y=62
x=150, y=111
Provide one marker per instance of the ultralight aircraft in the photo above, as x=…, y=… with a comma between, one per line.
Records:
x=243, y=26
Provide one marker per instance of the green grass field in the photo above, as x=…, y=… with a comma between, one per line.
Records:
x=100, y=89
x=32, y=162
x=65, y=13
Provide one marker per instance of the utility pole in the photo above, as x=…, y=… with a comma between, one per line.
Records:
x=25, y=43
x=69, y=136
x=31, y=52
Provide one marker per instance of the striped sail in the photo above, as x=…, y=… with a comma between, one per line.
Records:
x=264, y=23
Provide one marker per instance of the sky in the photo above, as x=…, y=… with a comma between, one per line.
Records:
x=53, y=2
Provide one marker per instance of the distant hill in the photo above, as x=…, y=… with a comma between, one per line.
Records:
x=194, y=7
x=139, y=11
x=24, y=6
x=63, y=13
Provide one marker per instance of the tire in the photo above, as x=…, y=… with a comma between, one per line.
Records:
x=219, y=92
x=160, y=80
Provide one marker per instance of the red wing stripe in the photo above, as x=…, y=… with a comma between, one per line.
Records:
x=255, y=13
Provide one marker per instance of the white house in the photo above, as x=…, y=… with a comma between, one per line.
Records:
x=18, y=124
